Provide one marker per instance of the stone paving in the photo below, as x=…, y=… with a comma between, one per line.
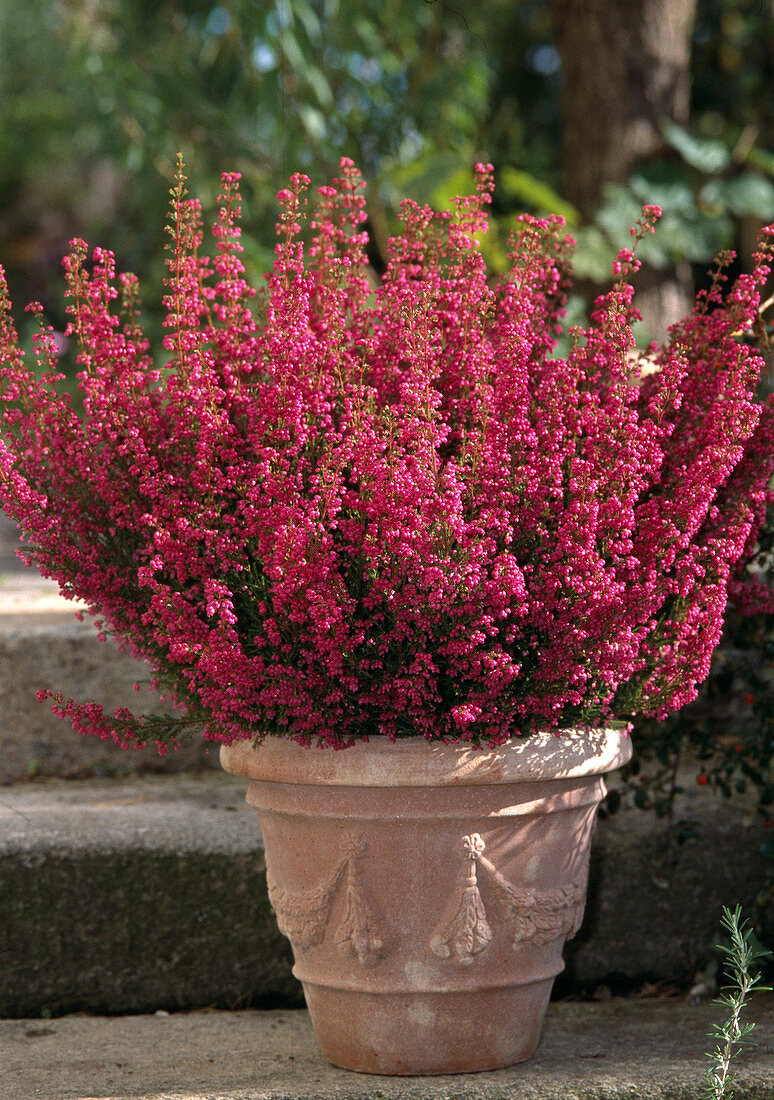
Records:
x=620, y=1050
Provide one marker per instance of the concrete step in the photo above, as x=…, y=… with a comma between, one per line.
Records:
x=149, y=893
x=620, y=1050
x=43, y=645
x=135, y=895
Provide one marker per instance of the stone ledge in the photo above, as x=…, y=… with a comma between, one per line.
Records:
x=150, y=893
x=621, y=1050
x=43, y=645
x=127, y=896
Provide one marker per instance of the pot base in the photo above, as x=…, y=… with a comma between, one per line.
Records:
x=405, y=1034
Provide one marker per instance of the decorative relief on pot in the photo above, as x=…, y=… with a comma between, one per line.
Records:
x=463, y=930
x=303, y=916
x=531, y=916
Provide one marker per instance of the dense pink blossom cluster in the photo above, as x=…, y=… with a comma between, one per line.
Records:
x=335, y=509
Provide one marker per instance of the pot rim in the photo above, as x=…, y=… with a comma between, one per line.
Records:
x=416, y=762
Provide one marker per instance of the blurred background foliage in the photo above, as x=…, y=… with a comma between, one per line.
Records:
x=98, y=96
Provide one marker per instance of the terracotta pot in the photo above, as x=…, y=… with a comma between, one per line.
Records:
x=428, y=889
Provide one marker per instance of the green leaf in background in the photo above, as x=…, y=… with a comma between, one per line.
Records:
x=594, y=254
x=709, y=236
x=708, y=155
x=685, y=232
x=368, y=35
x=320, y=86
x=575, y=314
x=313, y=121
x=618, y=213
x=458, y=182
x=308, y=17
x=655, y=250
x=520, y=185
x=292, y=51
x=696, y=238
x=621, y=210
x=664, y=184
x=748, y=194
x=761, y=158
x=431, y=178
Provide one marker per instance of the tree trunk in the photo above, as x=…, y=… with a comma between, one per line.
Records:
x=626, y=67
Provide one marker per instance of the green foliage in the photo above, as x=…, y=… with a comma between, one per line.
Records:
x=747, y=194
x=527, y=191
x=704, y=196
x=732, y=1035
x=718, y=172
x=707, y=155
x=99, y=97
x=104, y=95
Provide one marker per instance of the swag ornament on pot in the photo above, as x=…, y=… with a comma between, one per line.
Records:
x=416, y=572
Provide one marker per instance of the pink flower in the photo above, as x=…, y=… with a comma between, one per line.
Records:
x=393, y=511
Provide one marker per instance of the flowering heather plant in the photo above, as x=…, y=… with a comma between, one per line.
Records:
x=360, y=511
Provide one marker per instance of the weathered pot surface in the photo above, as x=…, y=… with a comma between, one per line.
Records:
x=428, y=889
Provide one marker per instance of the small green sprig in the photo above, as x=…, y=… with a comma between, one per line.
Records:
x=732, y=1034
